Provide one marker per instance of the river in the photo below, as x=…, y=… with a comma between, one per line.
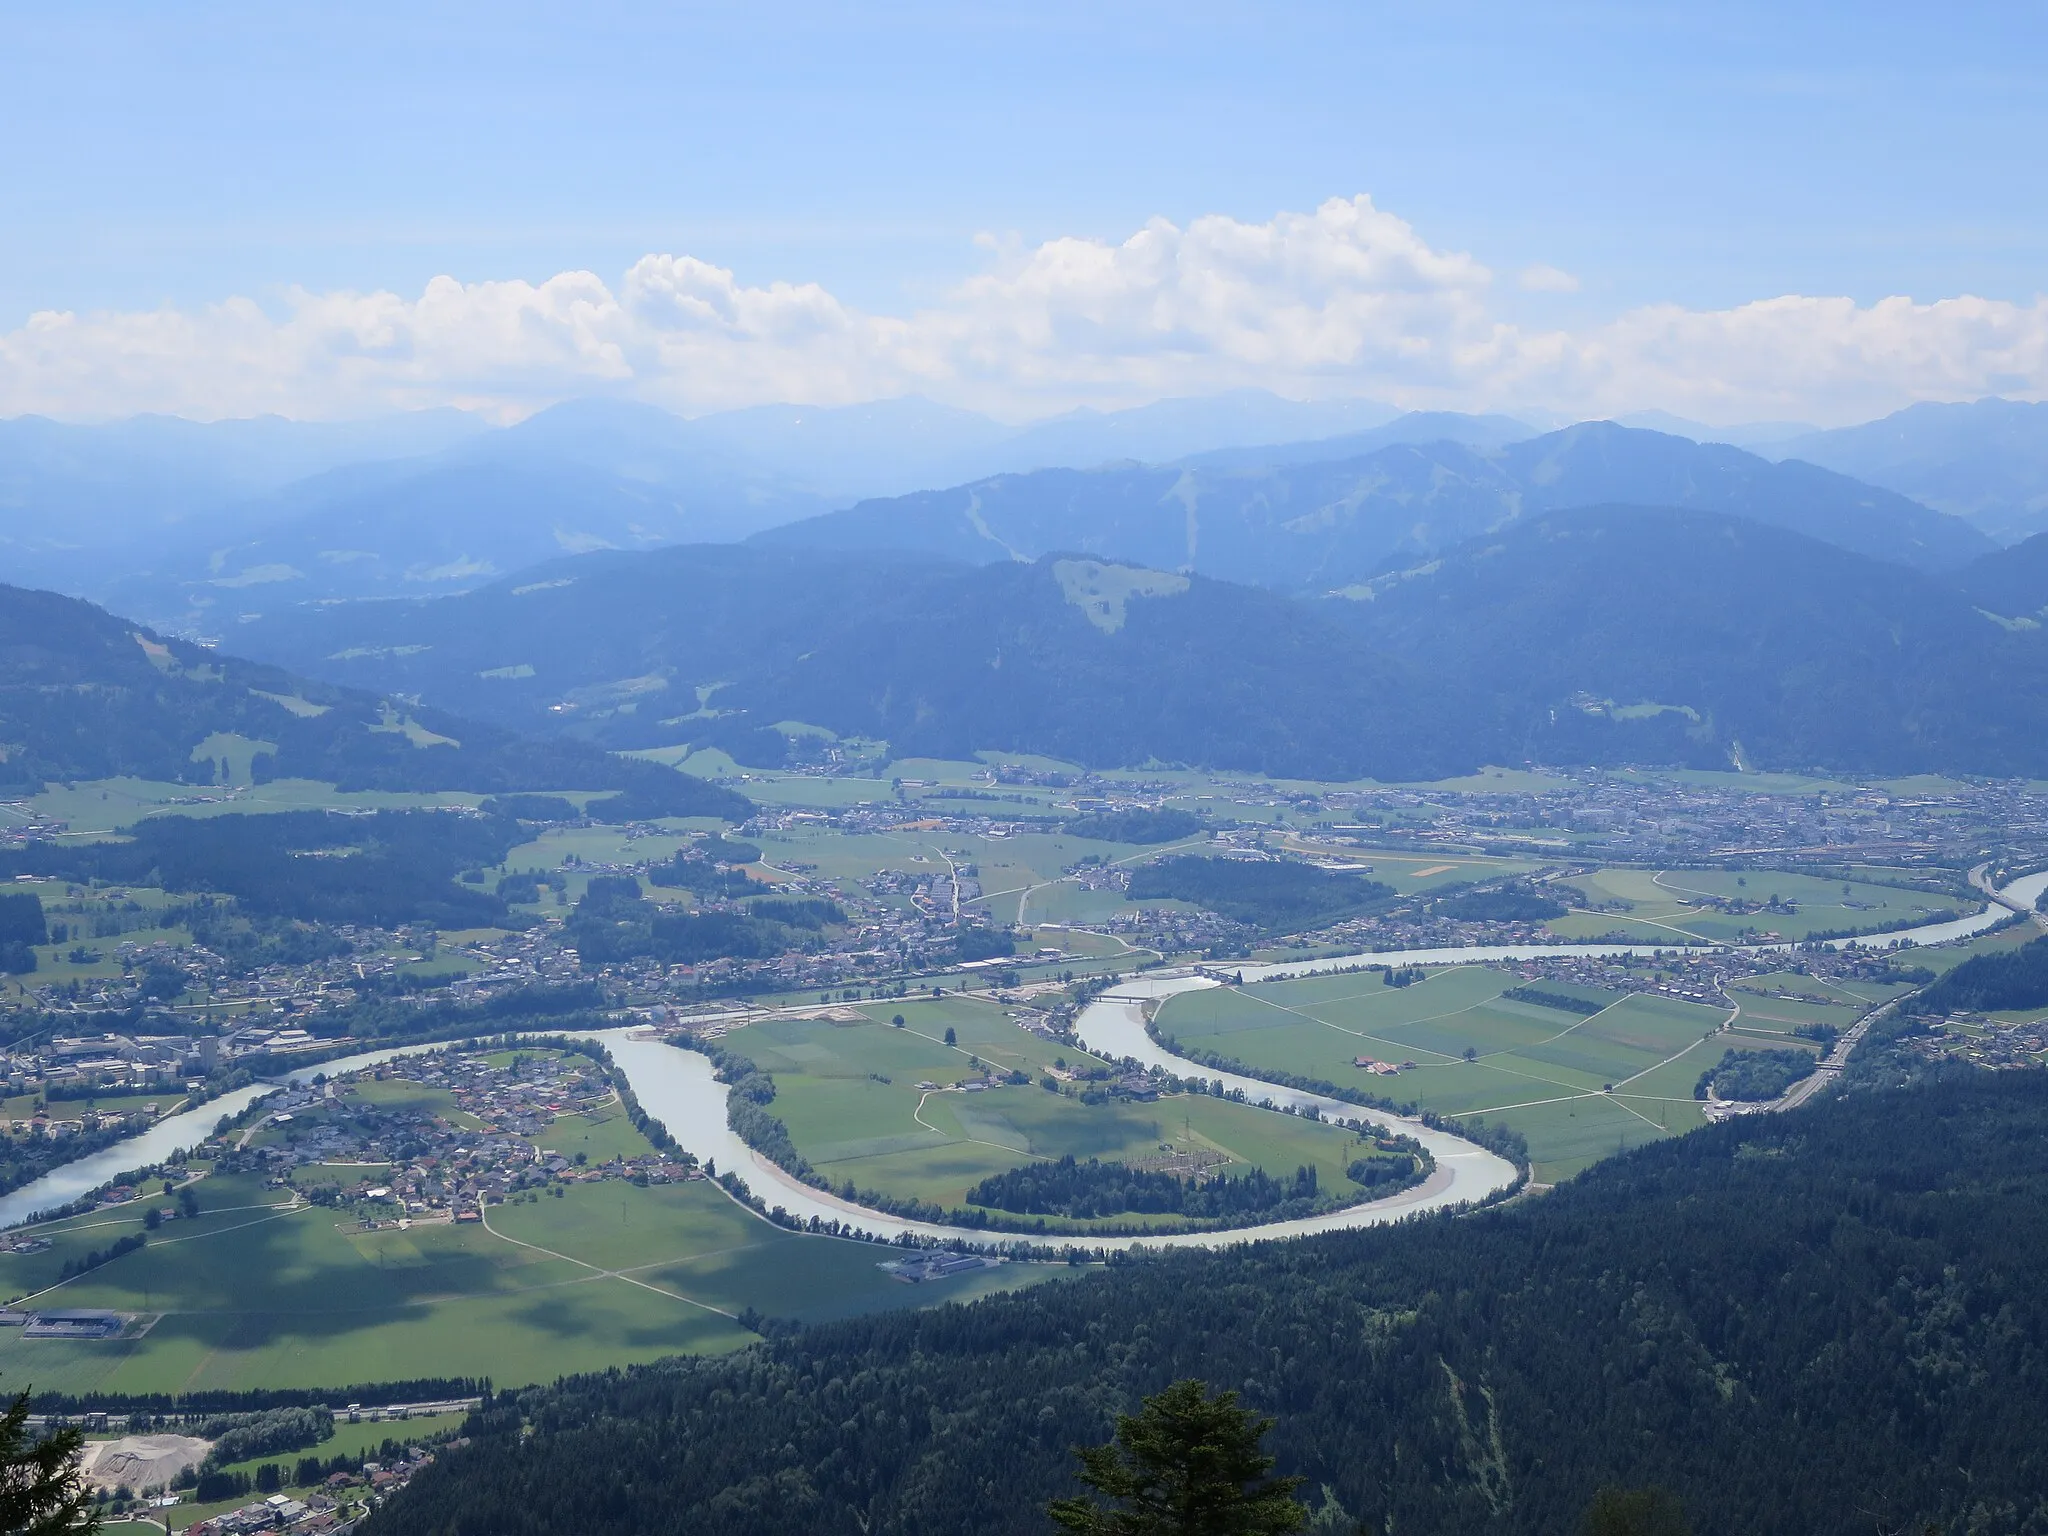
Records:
x=678, y=1089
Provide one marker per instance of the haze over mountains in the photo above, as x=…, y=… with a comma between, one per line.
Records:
x=1320, y=525
x=212, y=520
x=1986, y=461
x=192, y=525
x=1600, y=635
x=1400, y=597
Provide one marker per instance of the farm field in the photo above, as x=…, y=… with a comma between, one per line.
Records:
x=1544, y=1071
x=1785, y=1002
x=253, y=1294
x=1944, y=958
x=1682, y=906
x=1410, y=873
x=849, y=1094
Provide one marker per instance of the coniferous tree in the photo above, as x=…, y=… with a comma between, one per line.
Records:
x=1186, y=1464
x=41, y=1491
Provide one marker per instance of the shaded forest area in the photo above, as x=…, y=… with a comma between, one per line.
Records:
x=1266, y=894
x=1826, y=1322
x=382, y=869
x=2012, y=978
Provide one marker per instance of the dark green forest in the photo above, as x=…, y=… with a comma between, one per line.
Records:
x=385, y=868
x=1510, y=904
x=2012, y=978
x=1136, y=825
x=1755, y=1076
x=614, y=922
x=1267, y=894
x=1809, y=653
x=1824, y=1322
x=87, y=695
x=1092, y=1188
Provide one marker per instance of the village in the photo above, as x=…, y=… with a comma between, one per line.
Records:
x=367, y=1142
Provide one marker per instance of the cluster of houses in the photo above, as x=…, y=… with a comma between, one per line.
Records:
x=337, y=1506
x=419, y=1165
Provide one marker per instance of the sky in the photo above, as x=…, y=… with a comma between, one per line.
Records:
x=1734, y=212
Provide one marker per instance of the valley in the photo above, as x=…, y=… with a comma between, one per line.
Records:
x=681, y=952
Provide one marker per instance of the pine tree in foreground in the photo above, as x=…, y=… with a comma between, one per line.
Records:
x=1186, y=1464
x=41, y=1491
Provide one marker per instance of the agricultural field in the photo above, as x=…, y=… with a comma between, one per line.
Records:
x=1416, y=873
x=1580, y=1087
x=882, y=1108
x=1686, y=906
x=1941, y=959
x=259, y=1291
x=1784, y=1003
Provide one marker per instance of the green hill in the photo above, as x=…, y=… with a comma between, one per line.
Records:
x=1614, y=634
x=1599, y=635
x=86, y=695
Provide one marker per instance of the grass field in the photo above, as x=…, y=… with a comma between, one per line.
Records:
x=1674, y=906
x=106, y=805
x=1410, y=873
x=1544, y=1071
x=251, y=1293
x=849, y=1095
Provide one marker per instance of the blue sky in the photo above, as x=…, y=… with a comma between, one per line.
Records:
x=1703, y=156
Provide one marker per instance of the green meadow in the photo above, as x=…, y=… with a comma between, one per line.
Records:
x=1674, y=906
x=256, y=1293
x=1580, y=1087
x=850, y=1094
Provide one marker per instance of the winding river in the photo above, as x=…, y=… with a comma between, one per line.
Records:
x=677, y=1087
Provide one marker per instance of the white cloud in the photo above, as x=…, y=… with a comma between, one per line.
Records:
x=1544, y=278
x=1345, y=300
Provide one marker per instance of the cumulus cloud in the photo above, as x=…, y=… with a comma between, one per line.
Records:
x=1544, y=278
x=1345, y=300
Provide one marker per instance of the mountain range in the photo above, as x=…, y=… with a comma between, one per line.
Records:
x=1985, y=460
x=1322, y=525
x=1589, y=635
x=87, y=695
x=192, y=526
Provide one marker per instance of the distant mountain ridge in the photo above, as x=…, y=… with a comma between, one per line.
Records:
x=1319, y=525
x=194, y=527
x=1693, y=636
x=1984, y=460
x=1602, y=635
x=87, y=695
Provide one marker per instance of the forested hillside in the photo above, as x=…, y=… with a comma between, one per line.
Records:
x=1313, y=525
x=1985, y=460
x=87, y=695
x=1602, y=635
x=1822, y=1322
x=1670, y=636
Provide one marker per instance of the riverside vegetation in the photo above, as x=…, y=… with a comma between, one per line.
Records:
x=1804, y=1322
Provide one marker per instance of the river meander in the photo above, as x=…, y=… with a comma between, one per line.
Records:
x=677, y=1088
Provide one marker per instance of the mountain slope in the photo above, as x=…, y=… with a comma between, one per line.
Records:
x=2011, y=582
x=1986, y=460
x=1102, y=664
x=1593, y=635
x=1789, y=1321
x=1481, y=432
x=86, y=695
x=1313, y=526
x=70, y=495
x=1614, y=631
